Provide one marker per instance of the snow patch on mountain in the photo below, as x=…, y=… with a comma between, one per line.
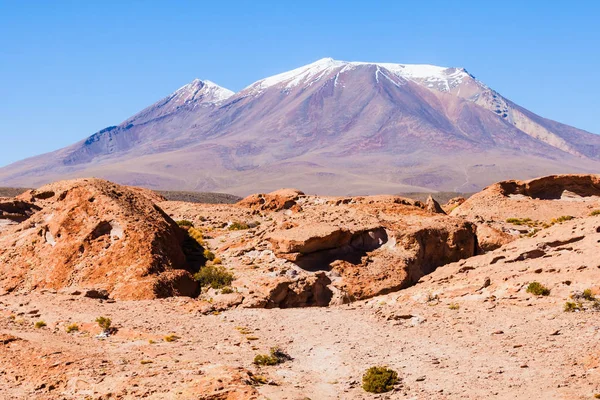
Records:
x=206, y=90
x=431, y=76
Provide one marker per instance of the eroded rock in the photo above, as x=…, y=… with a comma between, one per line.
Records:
x=90, y=233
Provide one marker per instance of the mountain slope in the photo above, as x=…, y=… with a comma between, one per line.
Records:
x=331, y=127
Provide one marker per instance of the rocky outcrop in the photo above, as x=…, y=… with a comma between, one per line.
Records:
x=278, y=200
x=552, y=187
x=336, y=250
x=541, y=199
x=412, y=251
x=490, y=238
x=16, y=210
x=321, y=239
x=453, y=203
x=90, y=233
x=433, y=206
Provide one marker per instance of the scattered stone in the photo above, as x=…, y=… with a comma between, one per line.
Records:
x=96, y=294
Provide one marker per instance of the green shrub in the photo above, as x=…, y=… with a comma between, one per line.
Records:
x=244, y=330
x=454, y=306
x=259, y=379
x=431, y=298
x=276, y=356
x=594, y=213
x=172, y=338
x=523, y=221
x=216, y=277
x=227, y=290
x=104, y=323
x=40, y=324
x=561, y=219
x=572, y=306
x=532, y=233
x=185, y=222
x=519, y=221
x=217, y=261
x=588, y=295
x=196, y=235
x=238, y=226
x=209, y=255
x=538, y=289
x=72, y=328
x=379, y=380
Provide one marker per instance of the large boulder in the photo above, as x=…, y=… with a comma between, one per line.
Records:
x=278, y=200
x=490, y=238
x=91, y=233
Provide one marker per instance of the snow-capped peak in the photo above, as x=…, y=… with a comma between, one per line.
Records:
x=206, y=90
x=432, y=76
x=296, y=76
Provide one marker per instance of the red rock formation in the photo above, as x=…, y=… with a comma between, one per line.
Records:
x=93, y=233
x=282, y=199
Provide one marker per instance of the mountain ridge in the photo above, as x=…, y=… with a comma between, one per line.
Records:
x=325, y=124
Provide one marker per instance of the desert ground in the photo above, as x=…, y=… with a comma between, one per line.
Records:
x=489, y=297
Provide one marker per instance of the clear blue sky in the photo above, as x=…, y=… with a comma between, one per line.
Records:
x=70, y=68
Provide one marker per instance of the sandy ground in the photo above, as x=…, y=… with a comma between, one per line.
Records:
x=512, y=348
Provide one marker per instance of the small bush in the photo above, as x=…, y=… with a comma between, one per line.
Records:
x=196, y=235
x=227, y=290
x=588, y=295
x=243, y=330
x=186, y=223
x=561, y=219
x=172, y=338
x=209, y=255
x=432, y=298
x=259, y=379
x=104, y=323
x=454, y=306
x=572, y=306
x=379, y=380
x=238, y=226
x=144, y=362
x=594, y=213
x=213, y=276
x=532, y=233
x=538, y=289
x=276, y=356
x=519, y=221
x=72, y=328
x=523, y=221
x=264, y=359
x=217, y=261
x=40, y=324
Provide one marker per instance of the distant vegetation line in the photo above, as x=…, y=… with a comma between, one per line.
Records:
x=200, y=197
x=11, y=192
x=224, y=198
